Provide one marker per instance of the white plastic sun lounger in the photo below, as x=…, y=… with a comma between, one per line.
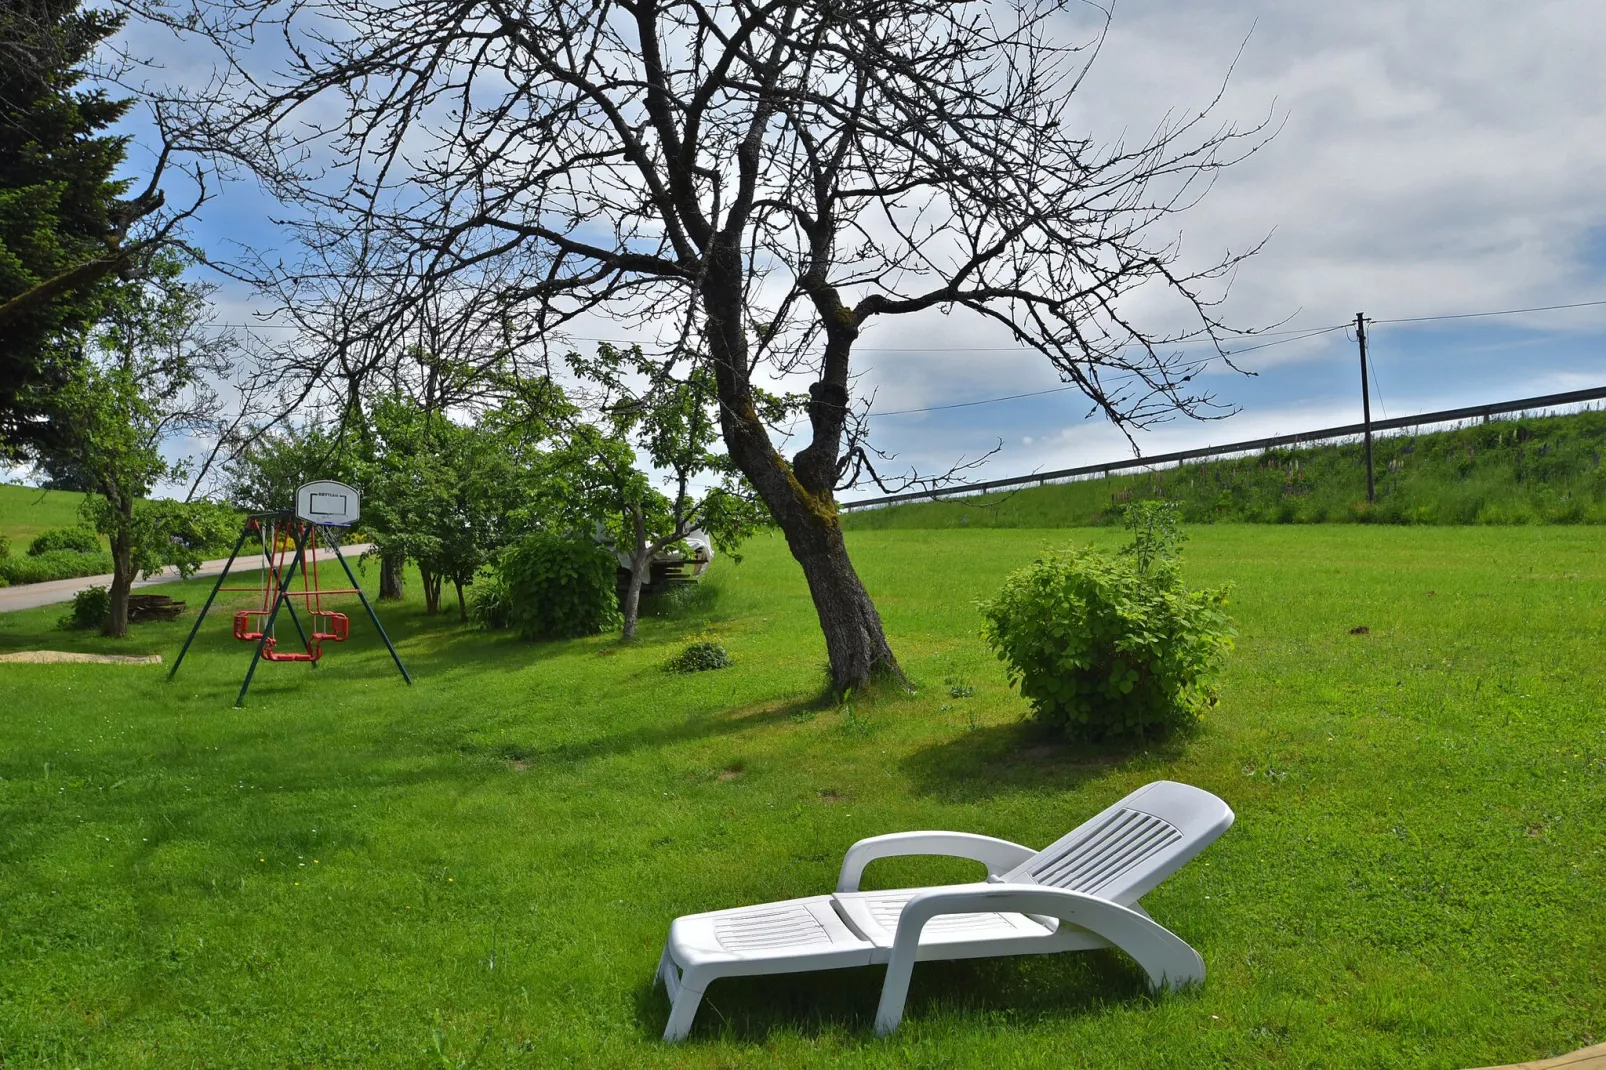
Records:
x=1079, y=892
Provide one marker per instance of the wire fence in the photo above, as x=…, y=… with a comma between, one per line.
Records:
x=1162, y=460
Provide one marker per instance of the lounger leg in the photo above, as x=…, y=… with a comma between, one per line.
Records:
x=684, y=1007
x=1164, y=956
x=685, y=990
x=668, y=972
x=894, y=993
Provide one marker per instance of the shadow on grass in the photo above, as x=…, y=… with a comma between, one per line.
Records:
x=702, y=726
x=1025, y=989
x=430, y=645
x=1026, y=756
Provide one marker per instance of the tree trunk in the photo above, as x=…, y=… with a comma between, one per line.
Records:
x=855, y=641
x=800, y=500
x=640, y=569
x=432, y=590
x=116, y=625
x=462, y=606
x=391, y=568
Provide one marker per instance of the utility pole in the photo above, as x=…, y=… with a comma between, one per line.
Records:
x=1366, y=405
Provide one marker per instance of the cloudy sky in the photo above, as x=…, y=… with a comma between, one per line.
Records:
x=1434, y=157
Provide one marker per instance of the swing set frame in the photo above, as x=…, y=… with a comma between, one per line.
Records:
x=278, y=593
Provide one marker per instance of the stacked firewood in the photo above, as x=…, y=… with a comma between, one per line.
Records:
x=143, y=607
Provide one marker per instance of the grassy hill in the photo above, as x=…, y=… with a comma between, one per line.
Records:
x=27, y=511
x=1531, y=470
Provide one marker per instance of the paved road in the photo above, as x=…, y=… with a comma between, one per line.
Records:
x=30, y=595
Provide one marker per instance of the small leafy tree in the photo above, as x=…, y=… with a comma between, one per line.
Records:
x=442, y=494
x=147, y=379
x=269, y=463
x=666, y=406
x=1112, y=646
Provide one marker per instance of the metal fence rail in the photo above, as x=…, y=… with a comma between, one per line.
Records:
x=1443, y=416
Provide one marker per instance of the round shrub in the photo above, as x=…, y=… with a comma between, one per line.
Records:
x=1110, y=646
x=90, y=608
x=558, y=588
x=700, y=657
x=79, y=540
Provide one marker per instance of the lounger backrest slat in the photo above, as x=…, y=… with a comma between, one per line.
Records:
x=1126, y=839
x=1125, y=851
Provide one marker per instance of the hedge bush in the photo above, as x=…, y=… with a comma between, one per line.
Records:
x=78, y=539
x=55, y=565
x=1112, y=646
x=559, y=587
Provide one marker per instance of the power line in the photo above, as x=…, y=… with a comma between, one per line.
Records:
x=1303, y=332
x=1477, y=315
x=984, y=401
x=1127, y=345
x=861, y=349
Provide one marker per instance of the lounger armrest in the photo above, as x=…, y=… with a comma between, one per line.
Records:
x=999, y=856
x=1164, y=956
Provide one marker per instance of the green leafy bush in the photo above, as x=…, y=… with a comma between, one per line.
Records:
x=700, y=657
x=55, y=565
x=560, y=587
x=204, y=527
x=1112, y=646
x=79, y=540
x=90, y=608
x=489, y=604
x=5, y=546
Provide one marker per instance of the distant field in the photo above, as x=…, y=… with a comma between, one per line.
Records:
x=1531, y=470
x=480, y=870
x=25, y=512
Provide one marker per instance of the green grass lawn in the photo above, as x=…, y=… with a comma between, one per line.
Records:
x=28, y=511
x=481, y=869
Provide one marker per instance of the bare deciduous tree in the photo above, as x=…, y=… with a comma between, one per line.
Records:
x=771, y=176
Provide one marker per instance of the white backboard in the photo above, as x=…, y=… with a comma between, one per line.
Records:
x=328, y=502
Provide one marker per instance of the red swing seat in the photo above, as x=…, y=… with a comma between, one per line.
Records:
x=334, y=625
x=250, y=624
x=243, y=621
x=271, y=653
